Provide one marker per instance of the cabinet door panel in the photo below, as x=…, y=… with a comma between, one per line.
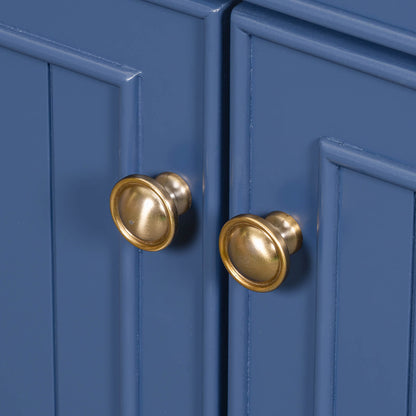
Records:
x=395, y=14
x=293, y=84
x=137, y=90
x=371, y=298
x=372, y=19
x=87, y=295
x=26, y=327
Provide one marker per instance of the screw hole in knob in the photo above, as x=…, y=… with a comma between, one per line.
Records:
x=256, y=250
x=145, y=210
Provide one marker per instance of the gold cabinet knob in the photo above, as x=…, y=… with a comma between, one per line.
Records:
x=256, y=250
x=145, y=210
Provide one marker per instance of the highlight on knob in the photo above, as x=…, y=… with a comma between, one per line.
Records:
x=146, y=210
x=256, y=251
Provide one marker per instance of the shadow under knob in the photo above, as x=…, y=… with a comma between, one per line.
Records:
x=256, y=250
x=145, y=210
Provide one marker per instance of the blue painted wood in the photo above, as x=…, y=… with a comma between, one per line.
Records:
x=292, y=83
x=356, y=360
x=373, y=323
x=240, y=202
x=65, y=56
x=151, y=339
x=83, y=234
x=396, y=32
x=364, y=56
x=396, y=14
x=215, y=209
x=126, y=79
x=201, y=9
x=26, y=327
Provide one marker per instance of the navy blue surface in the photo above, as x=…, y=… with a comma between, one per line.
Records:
x=399, y=13
x=292, y=84
x=381, y=21
x=26, y=320
x=86, y=252
x=365, y=338
x=97, y=90
x=109, y=89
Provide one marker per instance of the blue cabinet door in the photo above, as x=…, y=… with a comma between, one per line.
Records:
x=381, y=21
x=90, y=92
x=322, y=127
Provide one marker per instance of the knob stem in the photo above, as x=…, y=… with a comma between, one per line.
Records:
x=178, y=190
x=288, y=228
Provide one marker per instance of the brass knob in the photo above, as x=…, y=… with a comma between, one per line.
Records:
x=256, y=250
x=145, y=210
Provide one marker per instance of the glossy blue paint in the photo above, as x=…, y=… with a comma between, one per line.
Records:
x=364, y=359
x=109, y=330
x=292, y=83
x=333, y=15
x=26, y=327
x=397, y=14
x=126, y=80
x=125, y=333
x=80, y=239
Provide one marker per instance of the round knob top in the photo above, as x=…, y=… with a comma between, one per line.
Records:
x=145, y=210
x=255, y=251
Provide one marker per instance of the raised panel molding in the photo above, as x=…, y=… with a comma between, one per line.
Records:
x=195, y=8
x=25, y=299
x=334, y=156
x=128, y=80
x=248, y=22
x=346, y=22
x=216, y=16
x=323, y=43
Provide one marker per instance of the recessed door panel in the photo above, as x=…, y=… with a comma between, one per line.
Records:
x=86, y=248
x=26, y=320
x=137, y=90
x=395, y=14
x=353, y=16
x=293, y=84
x=365, y=298
x=383, y=22
x=373, y=295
